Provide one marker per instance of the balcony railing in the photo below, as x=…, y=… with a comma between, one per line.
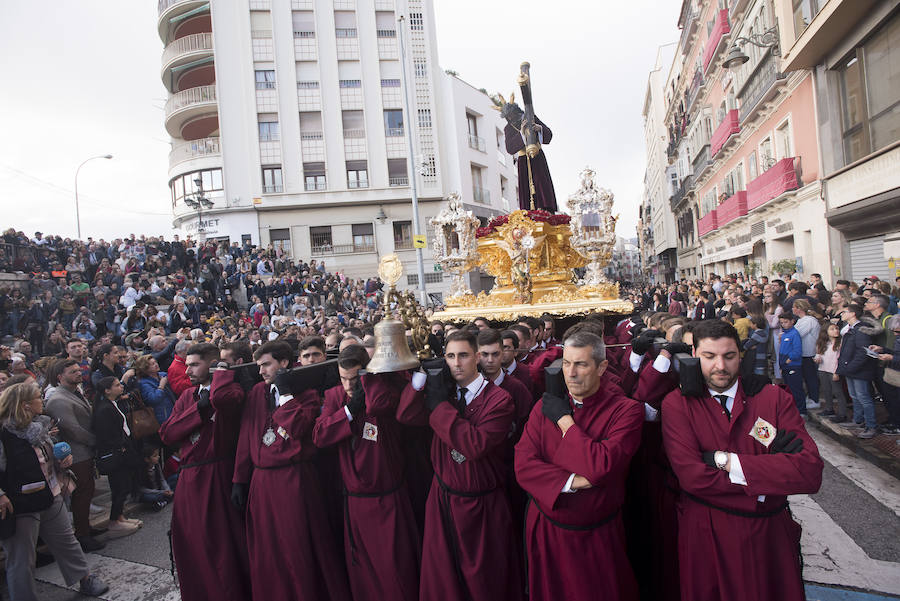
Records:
x=759, y=85
x=195, y=149
x=476, y=142
x=481, y=195
x=354, y=134
x=386, y=33
x=707, y=223
x=310, y=136
x=694, y=89
x=686, y=29
x=720, y=28
x=273, y=189
x=328, y=249
x=162, y=5
x=197, y=42
x=191, y=96
x=393, y=132
x=733, y=207
x=729, y=126
x=676, y=198
x=780, y=178
x=701, y=161
x=398, y=181
x=314, y=186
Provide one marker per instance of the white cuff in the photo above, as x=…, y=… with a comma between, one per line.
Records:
x=418, y=380
x=662, y=364
x=736, y=475
x=568, y=486
x=650, y=414
x=635, y=361
x=349, y=415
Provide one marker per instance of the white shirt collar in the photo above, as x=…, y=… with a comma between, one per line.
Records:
x=730, y=393
x=512, y=367
x=500, y=378
x=473, y=388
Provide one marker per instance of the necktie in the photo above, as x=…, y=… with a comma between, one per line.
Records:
x=461, y=400
x=204, y=396
x=271, y=400
x=723, y=400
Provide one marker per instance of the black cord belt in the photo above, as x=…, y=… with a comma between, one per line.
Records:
x=744, y=514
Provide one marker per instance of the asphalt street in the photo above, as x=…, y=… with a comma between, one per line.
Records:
x=851, y=541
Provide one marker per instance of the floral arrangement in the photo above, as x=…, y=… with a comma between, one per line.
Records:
x=536, y=215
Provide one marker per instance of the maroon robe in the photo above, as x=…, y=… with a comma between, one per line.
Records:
x=522, y=375
x=381, y=540
x=208, y=541
x=468, y=551
x=292, y=549
x=731, y=557
x=575, y=542
x=544, y=195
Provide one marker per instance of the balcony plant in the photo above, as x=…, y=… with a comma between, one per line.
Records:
x=788, y=266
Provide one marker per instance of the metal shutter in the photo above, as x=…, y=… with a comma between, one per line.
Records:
x=867, y=258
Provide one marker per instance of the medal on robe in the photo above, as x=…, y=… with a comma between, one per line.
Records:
x=195, y=436
x=283, y=433
x=457, y=456
x=763, y=432
x=269, y=437
x=370, y=432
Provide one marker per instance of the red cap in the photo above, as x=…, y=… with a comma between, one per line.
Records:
x=874, y=278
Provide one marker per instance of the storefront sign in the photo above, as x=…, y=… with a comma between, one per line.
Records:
x=739, y=239
x=210, y=226
x=785, y=227
x=872, y=177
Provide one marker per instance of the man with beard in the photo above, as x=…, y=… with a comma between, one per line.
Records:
x=208, y=539
x=290, y=545
x=738, y=449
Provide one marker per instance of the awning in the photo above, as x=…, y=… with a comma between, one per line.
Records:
x=190, y=13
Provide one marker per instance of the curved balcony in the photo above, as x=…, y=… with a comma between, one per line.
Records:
x=189, y=105
x=171, y=12
x=194, y=149
x=183, y=53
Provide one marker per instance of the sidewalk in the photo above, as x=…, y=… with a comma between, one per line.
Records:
x=883, y=450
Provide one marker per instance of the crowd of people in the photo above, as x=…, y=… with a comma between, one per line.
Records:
x=128, y=358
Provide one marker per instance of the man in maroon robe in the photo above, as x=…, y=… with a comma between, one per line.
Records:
x=381, y=540
x=208, y=540
x=738, y=449
x=572, y=460
x=510, y=344
x=292, y=549
x=468, y=553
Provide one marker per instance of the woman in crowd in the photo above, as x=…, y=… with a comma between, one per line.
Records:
x=116, y=454
x=154, y=387
x=831, y=390
x=773, y=311
x=27, y=461
x=839, y=301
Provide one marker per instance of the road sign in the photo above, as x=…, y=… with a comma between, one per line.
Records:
x=418, y=241
x=438, y=267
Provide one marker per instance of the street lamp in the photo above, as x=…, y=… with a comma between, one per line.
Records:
x=198, y=203
x=77, y=212
x=767, y=39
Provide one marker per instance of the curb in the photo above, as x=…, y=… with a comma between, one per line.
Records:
x=866, y=449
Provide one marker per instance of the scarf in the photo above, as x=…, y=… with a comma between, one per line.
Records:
x=36, y=433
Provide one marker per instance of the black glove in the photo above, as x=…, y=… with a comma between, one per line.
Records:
x=636, y=329
x=678, y=347
x=554, y=407
x=239, y=495
x=709, y=458
x=642, y=343
x=437, y=383
x=786, y=442
x=753, y=384
x=283, y=381
x=357, y=403
x=203, y=399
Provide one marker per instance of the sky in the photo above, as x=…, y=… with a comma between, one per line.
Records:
x=82, y=79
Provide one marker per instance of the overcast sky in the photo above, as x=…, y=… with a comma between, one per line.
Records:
x=82, y=79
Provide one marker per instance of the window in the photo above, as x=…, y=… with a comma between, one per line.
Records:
x=425, y=118
x=415, y=21
x=708, y=202
x=870, y=94
x=320, y=239
x=783, y=146
x=734, y=180
x=350, y=83
x=281, y=238
x=357, y=174
x=766, y=156
x=184, y=185
x=751, y=166
x=265, y=80
x=390, y=83
x=363, y=237
x=393, y=123
x=420, y=67
x=272, y=180
x=397, y=175
x=471, y=124
x=268, y=131
x=804, y=11
x=478, y=191
x=403, y=235
x=314, y=177
x=432, y=277
x=345, y=32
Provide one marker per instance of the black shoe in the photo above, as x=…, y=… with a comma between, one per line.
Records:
x=89, y=544
x=837, y=419
x=43, y=559
x=890, y=429
x=827, y=413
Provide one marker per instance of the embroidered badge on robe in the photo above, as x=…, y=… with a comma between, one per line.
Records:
x=370, y=432
x=269, y=437
x=457, y=456
x=763, y=432
x=283, y=433
x=195, y=436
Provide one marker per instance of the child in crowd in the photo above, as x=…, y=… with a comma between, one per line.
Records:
x=790, y=355
x=756, y=347
x=831, y=392
x=153, y=488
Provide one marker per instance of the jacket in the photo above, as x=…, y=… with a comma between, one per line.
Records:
x=162, y=400
x=808, y=327
x=853, y=362
x=74, y=414
x=790, y=349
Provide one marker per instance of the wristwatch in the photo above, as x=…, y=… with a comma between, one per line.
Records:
x=721, y=458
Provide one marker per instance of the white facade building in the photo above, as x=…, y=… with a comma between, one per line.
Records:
x=291, y=114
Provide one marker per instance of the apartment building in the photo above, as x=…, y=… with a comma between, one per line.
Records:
x=291, y=116
x=852, y=47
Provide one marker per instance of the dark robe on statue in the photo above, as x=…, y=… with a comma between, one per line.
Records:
x=468, y=553
x=544, y=195
x=208, y=540
x=292, y=550
x=731, y=545
x=575, y=542
x=381, y=540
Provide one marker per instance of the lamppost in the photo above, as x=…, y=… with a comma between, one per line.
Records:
x=765, y=40
x=77, y=212
x=198, y=203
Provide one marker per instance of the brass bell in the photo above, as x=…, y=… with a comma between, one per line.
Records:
x=391, y=349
